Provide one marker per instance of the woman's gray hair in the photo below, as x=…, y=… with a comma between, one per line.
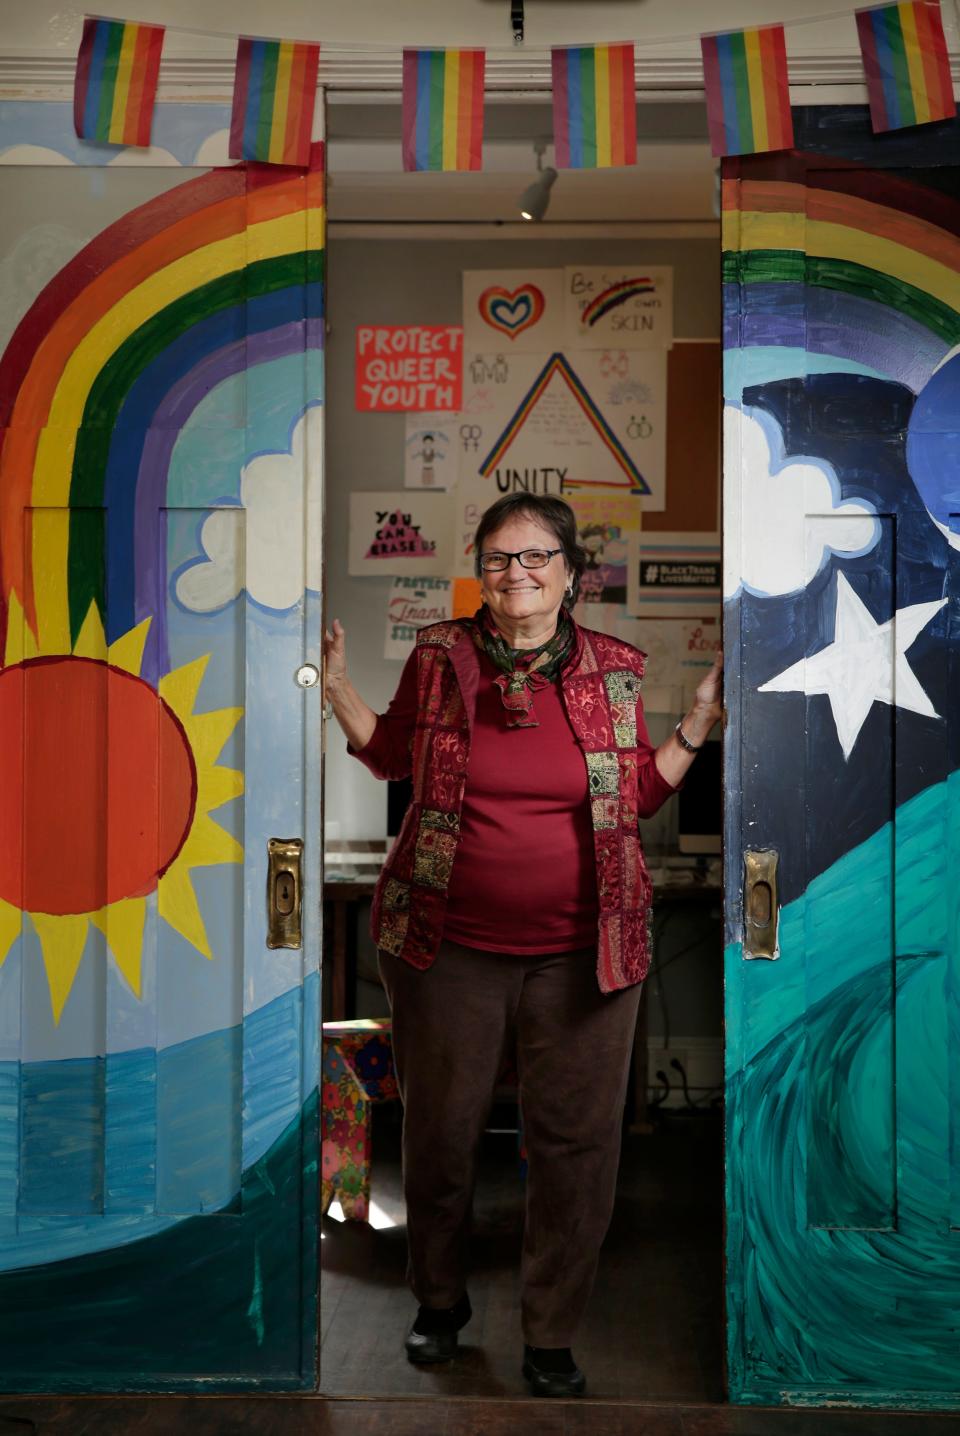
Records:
x=554, y=514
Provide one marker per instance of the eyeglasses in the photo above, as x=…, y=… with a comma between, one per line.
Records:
x=497, y=562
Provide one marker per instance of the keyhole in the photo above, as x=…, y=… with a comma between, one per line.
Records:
x=285, y=889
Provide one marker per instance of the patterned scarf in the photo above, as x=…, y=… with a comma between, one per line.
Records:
x=523, y=670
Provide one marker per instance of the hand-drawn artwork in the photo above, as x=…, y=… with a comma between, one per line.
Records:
x=673, y=575
x=412, y=604
x=400, y=533
x=430, y=451
x=128, y=728
x=603, y=522
x=414, y=367
x=841, y=318
x=610, y=308
x=679, y=652
x=515, y=311
x=489, y=369
x=772, y=553
x=271, y=497
x=547, y=431
x=865, y=664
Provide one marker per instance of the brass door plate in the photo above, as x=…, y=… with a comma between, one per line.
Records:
x=284, y=892
x=761, y=910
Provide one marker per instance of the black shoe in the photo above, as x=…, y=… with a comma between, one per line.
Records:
x=552, y=1371
x=433, y=1336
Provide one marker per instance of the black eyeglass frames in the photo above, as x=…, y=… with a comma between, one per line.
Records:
x=497, y=562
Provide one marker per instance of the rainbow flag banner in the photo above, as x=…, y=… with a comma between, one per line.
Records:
x=274, y=91
x=594, y=107
x=443, y=109
x=748, y=94
x=907, y=65
x=116, y=81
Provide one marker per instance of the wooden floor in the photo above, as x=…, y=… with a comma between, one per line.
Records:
x=651, y=1346
x=654, y=1328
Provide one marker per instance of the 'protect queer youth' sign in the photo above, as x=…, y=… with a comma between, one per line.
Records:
x=414, y=367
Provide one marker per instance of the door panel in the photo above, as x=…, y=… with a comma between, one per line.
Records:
x=842, y=271
x=159, y=504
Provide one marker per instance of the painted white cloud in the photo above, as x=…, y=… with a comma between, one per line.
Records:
x=271, y=497
x=133, y=157
x=33, y=155
x=792, y=516
x=213, y=151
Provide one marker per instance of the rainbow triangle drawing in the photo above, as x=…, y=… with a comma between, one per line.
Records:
x=558, y=366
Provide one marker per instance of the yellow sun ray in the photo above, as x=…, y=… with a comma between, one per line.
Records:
x=180, y=687
x=10, y=920
x=208, y=732
x=177, y=905
x=62, y=940
x=216, y=786
x=207, y=844
x=126, y=652
x=20, y=644
x=122, y=925
x=91, y=640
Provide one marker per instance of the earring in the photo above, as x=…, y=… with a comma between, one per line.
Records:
x=569, y=590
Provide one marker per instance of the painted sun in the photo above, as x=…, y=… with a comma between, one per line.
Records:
x=106, y=790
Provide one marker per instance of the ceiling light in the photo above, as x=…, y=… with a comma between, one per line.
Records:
x=534, y=201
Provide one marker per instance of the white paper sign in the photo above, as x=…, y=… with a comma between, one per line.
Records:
x=512, y=311
x=618, y=307
x=430, y=451
x=588, y=423
x=400, y=533
x=674, y=575
x=413, y=603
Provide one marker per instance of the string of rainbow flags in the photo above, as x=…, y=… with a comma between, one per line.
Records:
x=746, y=84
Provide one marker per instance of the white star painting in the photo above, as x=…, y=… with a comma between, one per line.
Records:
x=865, y=664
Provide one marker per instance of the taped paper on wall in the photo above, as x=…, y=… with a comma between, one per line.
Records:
x=399, y=533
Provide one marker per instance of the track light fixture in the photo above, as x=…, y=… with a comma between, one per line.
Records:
x=534, y=201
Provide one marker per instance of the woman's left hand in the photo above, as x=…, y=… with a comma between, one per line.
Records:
x=708, y=699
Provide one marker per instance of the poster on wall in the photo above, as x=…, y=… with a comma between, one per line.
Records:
x=591, y=424
x=512, y=311
x=618, y=307
x=415, y=602
x=430, y=451
x=604, y=521
x=674, y=575
x=414, y=367
x=399, y=533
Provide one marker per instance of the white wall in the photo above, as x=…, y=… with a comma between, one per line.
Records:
x=44, y=26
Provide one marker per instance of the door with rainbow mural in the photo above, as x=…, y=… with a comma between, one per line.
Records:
x=842, y=506
x=160, y=500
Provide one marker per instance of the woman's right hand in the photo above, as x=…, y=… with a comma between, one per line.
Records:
x=334, y=658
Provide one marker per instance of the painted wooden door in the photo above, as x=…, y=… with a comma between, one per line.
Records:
x=159, y=554
x=842, y=495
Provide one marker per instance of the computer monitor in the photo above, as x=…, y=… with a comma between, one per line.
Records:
x=699, y=804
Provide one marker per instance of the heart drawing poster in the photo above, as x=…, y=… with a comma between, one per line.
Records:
x=512, y=311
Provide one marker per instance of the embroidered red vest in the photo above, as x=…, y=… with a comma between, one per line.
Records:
x=600, y=688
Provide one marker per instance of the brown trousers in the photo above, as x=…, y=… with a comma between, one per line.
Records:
x=451, y=1027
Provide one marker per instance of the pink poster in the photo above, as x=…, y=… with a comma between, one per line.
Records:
x=411, y=367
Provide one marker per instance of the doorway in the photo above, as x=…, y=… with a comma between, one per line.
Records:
x=399, y=246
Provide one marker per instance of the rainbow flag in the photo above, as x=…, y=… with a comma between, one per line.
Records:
x=907, y=65
x=116, y=81
x=274, y=91
x=443, y=109
x=748, y=94
x=594, y=107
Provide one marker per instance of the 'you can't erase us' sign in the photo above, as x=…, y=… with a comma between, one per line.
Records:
x=414, y=367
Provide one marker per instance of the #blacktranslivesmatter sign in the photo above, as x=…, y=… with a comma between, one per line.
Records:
x=412, y=367
x=394, y=533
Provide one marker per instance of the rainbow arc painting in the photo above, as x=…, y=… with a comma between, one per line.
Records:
x=136, y=789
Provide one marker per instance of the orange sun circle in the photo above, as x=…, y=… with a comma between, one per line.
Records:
x=98, y=785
